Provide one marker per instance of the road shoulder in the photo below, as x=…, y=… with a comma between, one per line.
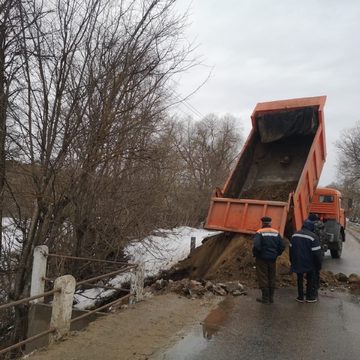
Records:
x=135, y=333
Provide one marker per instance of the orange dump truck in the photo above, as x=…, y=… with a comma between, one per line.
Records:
x=278, y=169
x=326, y=204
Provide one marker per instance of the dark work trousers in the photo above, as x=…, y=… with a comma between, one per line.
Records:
x=310, y=284
x=266, y=273
x=316, y=282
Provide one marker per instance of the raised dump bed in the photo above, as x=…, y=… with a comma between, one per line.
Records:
x=277, y=171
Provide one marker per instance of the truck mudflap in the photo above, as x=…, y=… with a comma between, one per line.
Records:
x=243, y=215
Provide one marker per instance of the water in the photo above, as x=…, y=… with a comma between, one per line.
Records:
x=199, y=336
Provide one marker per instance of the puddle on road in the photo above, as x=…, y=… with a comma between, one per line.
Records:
x=199, y=336
x=216, y=319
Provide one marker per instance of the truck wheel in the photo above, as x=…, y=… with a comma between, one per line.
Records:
x=336, y=254
x=332, y=227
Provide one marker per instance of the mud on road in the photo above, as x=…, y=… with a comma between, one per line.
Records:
x=135, y=333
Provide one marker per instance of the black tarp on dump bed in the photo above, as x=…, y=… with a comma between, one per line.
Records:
x=275, y=126
x=272, y=163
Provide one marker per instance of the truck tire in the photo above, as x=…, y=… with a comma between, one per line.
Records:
x=336, y=254
x=334, y=228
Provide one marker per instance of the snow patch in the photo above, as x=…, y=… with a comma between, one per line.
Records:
x=157, y=252
x=12, y=236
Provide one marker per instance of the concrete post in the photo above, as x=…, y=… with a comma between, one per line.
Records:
x=137, y=284
x=62, y=306
x=39, y=272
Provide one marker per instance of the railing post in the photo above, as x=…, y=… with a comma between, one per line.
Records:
x=62, y=306
x=39, y=272
x=137, y=284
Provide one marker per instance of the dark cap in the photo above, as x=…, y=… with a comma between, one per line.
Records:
x=266, y=219
x=308, y=225
x=313, y=217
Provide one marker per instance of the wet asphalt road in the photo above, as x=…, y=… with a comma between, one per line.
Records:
x=350, y=257
x=244, y=329
x=329, y=329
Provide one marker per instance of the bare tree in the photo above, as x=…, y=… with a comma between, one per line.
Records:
x=349, y=167
x=5, y=7
x=10, y=27
x=86, y=121
x=207, y=150
x=349, y=154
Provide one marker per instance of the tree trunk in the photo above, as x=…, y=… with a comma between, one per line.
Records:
x=3, y=107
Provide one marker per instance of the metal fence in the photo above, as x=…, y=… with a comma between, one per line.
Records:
x=64, y=290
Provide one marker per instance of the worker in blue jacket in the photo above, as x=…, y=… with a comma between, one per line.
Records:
x=267, y=246
x=319, y=230
x=305, y=258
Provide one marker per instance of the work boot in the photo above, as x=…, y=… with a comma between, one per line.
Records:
x=265, y=296
x=271, y=295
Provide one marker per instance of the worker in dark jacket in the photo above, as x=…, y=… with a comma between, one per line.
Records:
x=319, y=230
x=305, y=257
x=267, y=246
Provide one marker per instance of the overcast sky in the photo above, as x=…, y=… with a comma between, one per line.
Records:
x=262, y=50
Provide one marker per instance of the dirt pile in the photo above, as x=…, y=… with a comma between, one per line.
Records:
x=229, y=258
x=354, y=281
x=274, y=192
x=197, y=289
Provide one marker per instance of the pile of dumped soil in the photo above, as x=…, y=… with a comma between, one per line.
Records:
x=228, y=257
x=195, y=289
x=274, y=192
x=354, y=281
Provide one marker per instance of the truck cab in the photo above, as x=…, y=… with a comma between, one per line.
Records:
x=326, y=204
